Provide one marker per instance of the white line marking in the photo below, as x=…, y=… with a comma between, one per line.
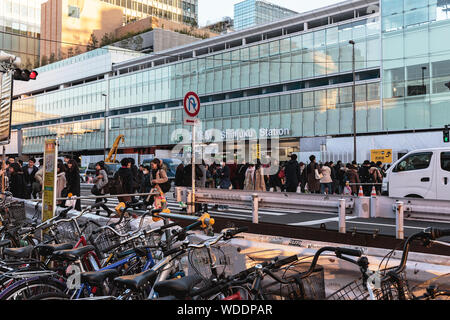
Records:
x=310, y=223
x=384, y=225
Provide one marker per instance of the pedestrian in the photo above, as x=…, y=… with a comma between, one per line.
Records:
x=100, y=181
x=201, y=181
x=61, y=183
x=225, y=180
x=124, y=178
x=303, y=178
x=249, y=182
x=292, y=174
x=313, y=175
x=340, y=172
x=28, y=174
x=260, y=184
x=17, y=181
x=187, y=175
x=39, y=180
x=326, y=186
x=179, y=175
x=353, y=178
x=275, y=183
x=376, y=176
x=365, y=178
x=241, y=174
x=73, y=181
x=146, y=184
x=159, y=180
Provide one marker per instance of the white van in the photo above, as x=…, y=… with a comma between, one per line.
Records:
x=423, y=173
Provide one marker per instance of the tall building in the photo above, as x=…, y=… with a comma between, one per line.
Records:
x=251, y=13
x=74, y=21
x=20, y=23
x=292, y=77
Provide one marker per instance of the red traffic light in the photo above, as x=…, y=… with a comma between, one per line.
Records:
x=33, y=75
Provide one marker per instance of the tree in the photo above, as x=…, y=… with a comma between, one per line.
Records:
x=52, y=58
x=70, y=52
x=44, y=61
x=93, y=43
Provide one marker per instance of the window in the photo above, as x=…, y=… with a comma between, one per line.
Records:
x=416, y=161
x=74, y=12
x=445, y=161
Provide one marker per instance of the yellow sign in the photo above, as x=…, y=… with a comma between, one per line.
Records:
x=256, y=151
x=383, y=155
x=49, y=192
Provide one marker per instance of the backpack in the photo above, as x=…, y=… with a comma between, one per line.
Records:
x=114, y=186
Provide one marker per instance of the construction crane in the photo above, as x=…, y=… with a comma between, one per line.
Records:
x=114, y=149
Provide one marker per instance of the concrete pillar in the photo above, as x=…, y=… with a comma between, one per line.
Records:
x=255, y=208
x=399, y=230
x=342, y=223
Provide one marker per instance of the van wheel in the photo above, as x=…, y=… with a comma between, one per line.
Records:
x=414, y=196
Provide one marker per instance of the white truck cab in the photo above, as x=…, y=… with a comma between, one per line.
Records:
x=423, y=173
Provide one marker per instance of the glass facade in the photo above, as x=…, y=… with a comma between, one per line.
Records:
x=182, y=11
x=20, y=24
x=416, y=64
x=250, y=13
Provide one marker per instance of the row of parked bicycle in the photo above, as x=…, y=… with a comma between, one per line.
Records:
x=68, y=258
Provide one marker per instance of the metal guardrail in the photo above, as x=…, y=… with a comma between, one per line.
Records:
x=102, y=197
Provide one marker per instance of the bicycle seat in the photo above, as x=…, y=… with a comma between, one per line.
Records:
x=178, y=288
x=4, y=243
x=96, y=278
x=71, y=254
x=136, y=281
x=23, y=252
x=46, y=250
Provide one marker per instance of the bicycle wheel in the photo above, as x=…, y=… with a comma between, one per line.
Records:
x=28, y=288
x=51, y=296
x=441, y=282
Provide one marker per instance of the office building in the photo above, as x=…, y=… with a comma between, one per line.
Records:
x=249, y=13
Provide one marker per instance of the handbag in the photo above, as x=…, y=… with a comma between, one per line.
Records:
x=317, y=174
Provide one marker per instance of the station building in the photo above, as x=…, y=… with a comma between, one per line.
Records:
x=293, y=77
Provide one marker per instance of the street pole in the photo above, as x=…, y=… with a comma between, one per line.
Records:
x=106, y=126
x=354, y=99
x=4, y=170
x=193, y=168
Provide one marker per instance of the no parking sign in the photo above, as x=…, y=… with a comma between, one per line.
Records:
x=191, y=105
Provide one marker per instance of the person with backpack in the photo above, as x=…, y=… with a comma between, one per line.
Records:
x=123, y=181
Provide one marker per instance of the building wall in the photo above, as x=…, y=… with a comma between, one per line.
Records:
x=73, y=21
x=20, y=29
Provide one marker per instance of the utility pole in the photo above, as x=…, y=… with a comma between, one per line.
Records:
x=354, y=99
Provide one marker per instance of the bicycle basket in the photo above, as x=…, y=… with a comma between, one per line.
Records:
x=200, y=262
x=354, y=290
x=393, y=288
x=309, y=288
x=67, y=231
x=104, y=241
x=16, y=212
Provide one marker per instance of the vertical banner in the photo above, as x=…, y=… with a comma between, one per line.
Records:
x=49, y=193
x=5, y=107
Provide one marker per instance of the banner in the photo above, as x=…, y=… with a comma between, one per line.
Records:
x=5, y=107
x=383, y=155
x=50, y=170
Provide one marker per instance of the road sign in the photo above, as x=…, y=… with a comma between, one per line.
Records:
x=49, y=192
x=191, y=104
x=383, y=155
x=191, y=121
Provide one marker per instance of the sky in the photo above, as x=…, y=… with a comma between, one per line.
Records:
x=215, y=10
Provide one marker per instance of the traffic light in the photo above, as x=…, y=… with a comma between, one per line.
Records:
x=446, y=134
x=25, y=75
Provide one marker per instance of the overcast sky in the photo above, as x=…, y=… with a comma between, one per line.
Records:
x=214, y=10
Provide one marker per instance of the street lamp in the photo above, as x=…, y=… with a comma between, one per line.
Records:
x=353, y=99
x=105, y=141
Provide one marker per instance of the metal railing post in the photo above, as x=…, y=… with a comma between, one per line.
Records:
x=399, y=232
x=373, y=206
x=255, y=208
x=342, y=216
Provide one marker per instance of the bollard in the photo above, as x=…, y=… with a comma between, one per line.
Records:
x=190, y=207
x=341, y=215
x=255, y=207
x=399, y=220
x=373, y=206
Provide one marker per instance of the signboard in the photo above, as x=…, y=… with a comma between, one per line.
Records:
x=5, y=107
x=49, y=192
x=383, y=155
x=191, y=104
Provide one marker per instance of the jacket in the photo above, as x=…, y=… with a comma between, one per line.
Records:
x=60, y=184
x=73, y=182
x=313, y=183
x=101, y=182
x=225, y=181
x=260, y=184
x=292, y=173
x=17, y=185
x=127, y=179
x=353, y=177
x=146, y=184
x=187, y=175
x=29, y=177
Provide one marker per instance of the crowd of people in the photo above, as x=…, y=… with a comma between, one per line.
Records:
x=289, y=176
x=26, y=182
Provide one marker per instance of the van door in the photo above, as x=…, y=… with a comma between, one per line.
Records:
x=413, y=176
x=443, y=176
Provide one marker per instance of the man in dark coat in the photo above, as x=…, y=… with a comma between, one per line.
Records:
x=28, y=174
x=126, y=177
x=292, y=174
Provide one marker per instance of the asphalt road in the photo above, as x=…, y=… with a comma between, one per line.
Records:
x=382, y=226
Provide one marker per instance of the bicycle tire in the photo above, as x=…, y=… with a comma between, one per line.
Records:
x=26, y=289
x=51, y=296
